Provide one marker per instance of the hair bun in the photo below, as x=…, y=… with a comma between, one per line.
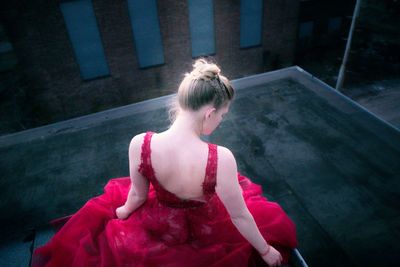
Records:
x=204, y=71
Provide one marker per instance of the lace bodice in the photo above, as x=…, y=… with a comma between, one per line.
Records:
x=164, y=196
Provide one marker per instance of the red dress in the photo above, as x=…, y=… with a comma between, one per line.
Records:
x=166, y=230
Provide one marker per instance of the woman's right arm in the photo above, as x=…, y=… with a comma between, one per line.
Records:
x=137, y=194
x=230, y=193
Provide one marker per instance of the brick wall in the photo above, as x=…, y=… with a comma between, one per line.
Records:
x=46, y=86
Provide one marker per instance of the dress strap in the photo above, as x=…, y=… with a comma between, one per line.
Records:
x=145, y=165
x=210, y=180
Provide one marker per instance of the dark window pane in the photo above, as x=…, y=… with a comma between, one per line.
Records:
x=201, y=20
x=146, y=32
x=82, y=28
x=306, y=29
x=250, y=22
x=334, y=24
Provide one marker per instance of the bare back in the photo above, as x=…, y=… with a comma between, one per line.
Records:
x=179, y=165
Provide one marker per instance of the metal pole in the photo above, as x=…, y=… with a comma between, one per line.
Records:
x=339, y=82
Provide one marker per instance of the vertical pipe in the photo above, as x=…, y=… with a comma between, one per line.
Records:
x=339, y=82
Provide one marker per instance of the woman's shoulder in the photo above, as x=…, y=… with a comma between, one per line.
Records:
x=137, y=141
x=225, y=155
x=138, y=138
x=227, y=167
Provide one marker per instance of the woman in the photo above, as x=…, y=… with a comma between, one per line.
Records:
x=184, y=203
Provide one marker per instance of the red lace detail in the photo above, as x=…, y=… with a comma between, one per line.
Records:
x=145, y=155
x=164, y=196
x=211, y=171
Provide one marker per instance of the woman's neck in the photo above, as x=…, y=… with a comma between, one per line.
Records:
x=187, y=125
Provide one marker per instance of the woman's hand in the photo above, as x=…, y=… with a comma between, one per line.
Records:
x=122, y=212
x=272, y=257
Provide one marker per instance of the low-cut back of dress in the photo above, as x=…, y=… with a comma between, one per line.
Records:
x=168, y=198
x=166, y=230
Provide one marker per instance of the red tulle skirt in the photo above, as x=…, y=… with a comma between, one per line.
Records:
x=157, y=235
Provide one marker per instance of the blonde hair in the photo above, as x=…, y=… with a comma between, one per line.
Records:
x=204, y=85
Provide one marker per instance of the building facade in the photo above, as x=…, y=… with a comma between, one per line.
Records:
x=52, y=40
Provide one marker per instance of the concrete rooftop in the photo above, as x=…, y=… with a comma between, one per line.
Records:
x=329, y=162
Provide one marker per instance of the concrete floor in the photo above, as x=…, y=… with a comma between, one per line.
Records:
x=329, y=162
x=380, y=97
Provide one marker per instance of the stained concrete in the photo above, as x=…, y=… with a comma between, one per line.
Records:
x=330, y=163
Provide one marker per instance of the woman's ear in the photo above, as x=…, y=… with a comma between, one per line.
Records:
x=209, y=111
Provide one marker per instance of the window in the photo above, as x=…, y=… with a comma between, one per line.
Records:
x=8, y=60
x=250, y=22
x=201, y=23
x=334, y=24
x=146, y=32
x=306, y=29
x=84, y=34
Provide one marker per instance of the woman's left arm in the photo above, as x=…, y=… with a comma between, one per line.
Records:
x=139, y=185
